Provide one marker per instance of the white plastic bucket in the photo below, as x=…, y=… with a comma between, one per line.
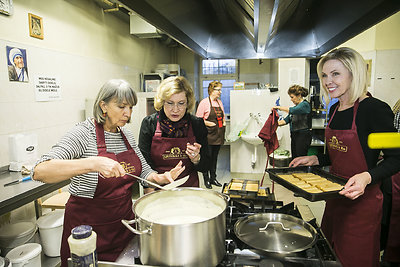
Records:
x=50, y=230
x=27, y=255
x=16, y=234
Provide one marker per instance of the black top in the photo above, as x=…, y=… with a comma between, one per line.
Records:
x=373, y=116
x=148, y=129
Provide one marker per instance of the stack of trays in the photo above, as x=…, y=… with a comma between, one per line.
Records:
x=312, y=183
x=239, y=188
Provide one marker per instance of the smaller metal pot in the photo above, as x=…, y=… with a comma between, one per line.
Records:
x=275, y=233
x=279, y=161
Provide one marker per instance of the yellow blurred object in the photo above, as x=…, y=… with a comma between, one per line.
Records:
x=384, y=140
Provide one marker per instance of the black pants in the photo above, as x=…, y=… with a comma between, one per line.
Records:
x=301, y=141
x=213, y=150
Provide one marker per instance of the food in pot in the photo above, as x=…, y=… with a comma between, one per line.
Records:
x=192, y=209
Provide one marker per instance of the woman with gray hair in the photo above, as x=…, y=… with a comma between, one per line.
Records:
x=96, y=155
x=172, y=134
x=352, y=224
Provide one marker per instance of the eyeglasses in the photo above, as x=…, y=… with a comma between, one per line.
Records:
x=217, y=89
x=179, y=105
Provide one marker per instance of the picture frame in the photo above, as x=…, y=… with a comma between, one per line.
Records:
x=35, y=26
x=6, y=7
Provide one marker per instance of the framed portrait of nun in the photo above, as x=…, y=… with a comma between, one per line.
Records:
x=17, y=65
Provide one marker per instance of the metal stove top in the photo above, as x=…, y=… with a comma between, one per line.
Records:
x=239, y=254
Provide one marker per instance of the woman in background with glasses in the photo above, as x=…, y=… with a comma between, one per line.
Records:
x=172, y=134
x=212, y=112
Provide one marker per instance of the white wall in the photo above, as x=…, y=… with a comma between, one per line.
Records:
x=84, y=47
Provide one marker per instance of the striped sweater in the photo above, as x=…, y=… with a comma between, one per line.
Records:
x=80, y=142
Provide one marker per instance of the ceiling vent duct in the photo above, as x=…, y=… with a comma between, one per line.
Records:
x=142, y=29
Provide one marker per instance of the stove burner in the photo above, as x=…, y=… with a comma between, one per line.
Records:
x=238, y=254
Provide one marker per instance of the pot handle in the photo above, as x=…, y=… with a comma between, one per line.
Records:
x=133, y=230
x=269, y=223
x=226, y=197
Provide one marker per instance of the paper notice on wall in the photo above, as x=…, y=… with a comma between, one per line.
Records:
x=47, y=88
x=293, y=76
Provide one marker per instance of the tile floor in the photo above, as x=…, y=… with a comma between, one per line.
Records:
x=224, y=176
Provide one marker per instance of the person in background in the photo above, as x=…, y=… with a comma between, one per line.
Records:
x=17, y=71
x=352, y=224
x=172, y=134
x=391, y=210
x=96, y=155
x=211, y=110
x=299, y=118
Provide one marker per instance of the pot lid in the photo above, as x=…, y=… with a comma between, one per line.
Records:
x=274, y=232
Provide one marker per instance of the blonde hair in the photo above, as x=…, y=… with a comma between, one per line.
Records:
x=115, y=88
x=354, y=63
x=212, y=85
x=174, y=85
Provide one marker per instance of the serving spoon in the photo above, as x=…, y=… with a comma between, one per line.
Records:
x=165, y=187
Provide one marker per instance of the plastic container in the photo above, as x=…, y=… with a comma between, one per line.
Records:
x=16, y=234
x=82, y=244
x=50, y=230
x=27, y=255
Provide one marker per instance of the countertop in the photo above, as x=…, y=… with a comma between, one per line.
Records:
x=17, y=195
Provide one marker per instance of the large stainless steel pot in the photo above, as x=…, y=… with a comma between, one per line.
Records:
x=180, y=227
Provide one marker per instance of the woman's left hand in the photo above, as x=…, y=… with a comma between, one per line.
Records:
x=355, y=186
x=167, y=177
x=193, y=151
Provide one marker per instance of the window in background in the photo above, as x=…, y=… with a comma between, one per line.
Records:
x=218, y=66
x=223, y=70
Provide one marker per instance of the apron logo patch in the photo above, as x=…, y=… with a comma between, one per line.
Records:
x=174, y=153
x=127, y=167
x=335, y=144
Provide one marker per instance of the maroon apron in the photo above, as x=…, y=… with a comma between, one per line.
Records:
x=111, y=203
x=352, y=226
x=392, y=250
x=216, y=133
x=167, y=152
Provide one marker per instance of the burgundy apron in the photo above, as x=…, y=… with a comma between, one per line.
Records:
x=352, y=226
x=216, y=133
x=111, y=203
x=392, y=251
x=167, y=152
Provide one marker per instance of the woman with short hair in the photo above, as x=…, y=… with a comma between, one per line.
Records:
x=97, y=155
x=172, y=134
x=211, y=110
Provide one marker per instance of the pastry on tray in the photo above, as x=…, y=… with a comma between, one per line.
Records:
x=236, y=186
x=251, y=187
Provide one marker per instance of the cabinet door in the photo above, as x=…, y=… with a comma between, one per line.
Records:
x=387, y=76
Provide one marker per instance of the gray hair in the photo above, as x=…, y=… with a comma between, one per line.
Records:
x=115, y=88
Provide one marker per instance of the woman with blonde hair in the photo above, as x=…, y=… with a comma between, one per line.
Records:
x=352, y=224
x=211, y=110
x=172, y=134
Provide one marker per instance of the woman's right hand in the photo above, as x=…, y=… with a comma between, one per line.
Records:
x=108, y=167
x=304, y=161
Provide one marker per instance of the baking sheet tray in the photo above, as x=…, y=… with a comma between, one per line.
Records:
x=275, y=172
